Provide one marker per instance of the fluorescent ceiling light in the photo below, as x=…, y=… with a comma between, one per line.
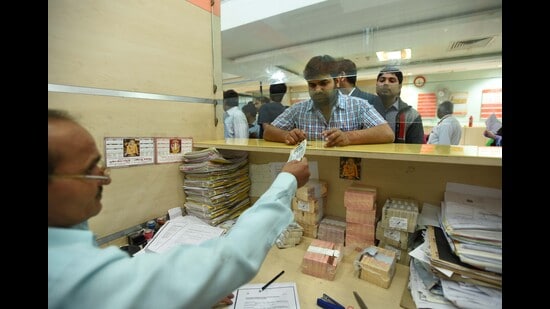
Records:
x=235, y=13
x=278, y=77
x=394, y=55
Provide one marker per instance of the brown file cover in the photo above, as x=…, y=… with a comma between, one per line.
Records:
x=442, y=256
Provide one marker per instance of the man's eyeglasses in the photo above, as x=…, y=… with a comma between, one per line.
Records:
x=105, y=171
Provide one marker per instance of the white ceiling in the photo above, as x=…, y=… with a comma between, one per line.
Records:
x=356, y=29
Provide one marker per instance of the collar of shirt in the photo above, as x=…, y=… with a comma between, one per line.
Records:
x=232, y=110
x=394, y=106
x=443, y=118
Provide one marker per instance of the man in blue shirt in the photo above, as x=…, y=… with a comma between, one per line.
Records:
x=448, y=130
x=328, y=115
x=82, y=275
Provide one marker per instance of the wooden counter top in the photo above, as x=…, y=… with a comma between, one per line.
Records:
x=341, y=288
x=472, y=155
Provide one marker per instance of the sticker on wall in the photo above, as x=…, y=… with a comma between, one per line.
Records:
x=172, y=149
x=350, y=168
x=460, y=101
x=491, y=102
x=128, y=151
x=427, y=105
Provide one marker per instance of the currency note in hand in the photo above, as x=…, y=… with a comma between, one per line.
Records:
x=298, y=152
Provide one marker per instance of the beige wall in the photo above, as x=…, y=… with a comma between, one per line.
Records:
x=139, y=47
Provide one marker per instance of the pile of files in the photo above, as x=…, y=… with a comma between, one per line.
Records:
x=216, y=184
x=459, y=264
x=472, y=221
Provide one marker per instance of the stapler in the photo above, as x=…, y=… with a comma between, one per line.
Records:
x=328, y=302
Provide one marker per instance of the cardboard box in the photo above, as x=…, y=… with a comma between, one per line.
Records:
x=313, y=189
x=377, y=266
x=322, y=258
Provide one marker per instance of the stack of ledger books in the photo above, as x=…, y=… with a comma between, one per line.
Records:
x=216, y=184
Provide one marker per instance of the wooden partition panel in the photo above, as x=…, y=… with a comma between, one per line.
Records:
x=141, y=69
x=146, y=46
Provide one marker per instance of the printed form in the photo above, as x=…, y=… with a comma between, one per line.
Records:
x=283, y=295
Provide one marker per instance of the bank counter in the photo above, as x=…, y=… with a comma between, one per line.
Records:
x=417, y=171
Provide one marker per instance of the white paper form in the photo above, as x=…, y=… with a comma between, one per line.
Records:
x=463, y=211
x=422, y=297
x=281, y=295
x=492, y=123
x=182, y=231
x=429, y=215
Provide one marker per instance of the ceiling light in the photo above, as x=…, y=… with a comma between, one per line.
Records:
x=278, y=77
x=394, y=55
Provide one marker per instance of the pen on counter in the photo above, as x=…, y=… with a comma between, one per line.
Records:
x=271, y=281
x=360, y=301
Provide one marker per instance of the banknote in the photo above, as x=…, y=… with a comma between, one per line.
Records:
x=298, y=152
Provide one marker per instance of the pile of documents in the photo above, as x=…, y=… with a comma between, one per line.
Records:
x=459, y=264
x=474, y=224
x=216, y=184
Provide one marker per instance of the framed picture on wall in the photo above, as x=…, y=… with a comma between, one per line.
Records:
x=350, y=168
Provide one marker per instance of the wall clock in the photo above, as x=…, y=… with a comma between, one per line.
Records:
x=419, y=81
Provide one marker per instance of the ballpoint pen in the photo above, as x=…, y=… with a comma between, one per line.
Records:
x=271, y=281
x=360, y=301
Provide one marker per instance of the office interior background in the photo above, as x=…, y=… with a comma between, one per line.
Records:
x=143, y=69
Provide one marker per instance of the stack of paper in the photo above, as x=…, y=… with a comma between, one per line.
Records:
x=216, y=184
x=473, y=221
x=440, y=280
x=179, y=231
